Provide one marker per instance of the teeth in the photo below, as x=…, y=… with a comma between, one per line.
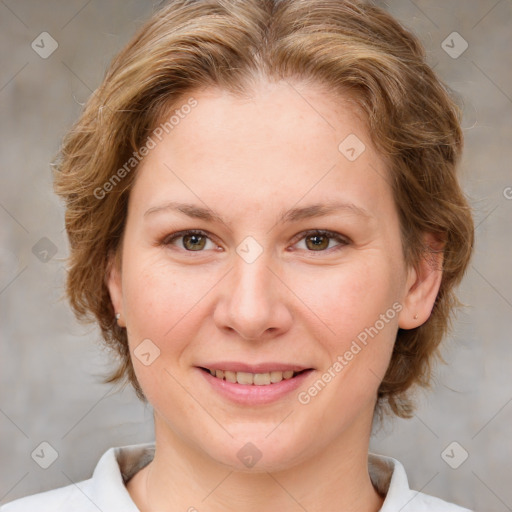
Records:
x=230, y=376
x=261, y=379
x=258, y=379
x=244, y=378
x=276, y=377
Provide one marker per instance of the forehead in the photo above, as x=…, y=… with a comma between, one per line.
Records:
x=282, y=143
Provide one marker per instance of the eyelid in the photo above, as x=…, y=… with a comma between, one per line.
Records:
x=178, y=234
x=342, y=239
x=326, y=232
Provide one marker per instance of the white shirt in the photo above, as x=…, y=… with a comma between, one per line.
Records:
x=106, y=490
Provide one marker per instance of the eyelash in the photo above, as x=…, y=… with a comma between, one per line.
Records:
x=169, y=239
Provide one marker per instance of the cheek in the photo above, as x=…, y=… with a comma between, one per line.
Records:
x=359, y=304
x=351, y=297
x=159, y=302
x=154, y=302
x=158, y=296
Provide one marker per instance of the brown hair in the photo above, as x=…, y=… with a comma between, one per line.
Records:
x=353, y=48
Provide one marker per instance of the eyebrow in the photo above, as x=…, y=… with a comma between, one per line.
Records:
x=292, y=215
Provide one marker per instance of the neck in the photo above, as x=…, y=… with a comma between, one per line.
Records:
x=181, y=478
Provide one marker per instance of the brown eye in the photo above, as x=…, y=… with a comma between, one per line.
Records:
x=194, y=242
x=317, y=242
x=191, y=240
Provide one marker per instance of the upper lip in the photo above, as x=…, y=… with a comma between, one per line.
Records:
x=235, y=366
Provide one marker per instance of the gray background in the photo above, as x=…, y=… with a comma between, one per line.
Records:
x=50, y=389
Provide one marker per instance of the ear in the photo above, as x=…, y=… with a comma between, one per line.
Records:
x=423, y=283
x=114, y=284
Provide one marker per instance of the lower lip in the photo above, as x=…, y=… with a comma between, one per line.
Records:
x=251, y=394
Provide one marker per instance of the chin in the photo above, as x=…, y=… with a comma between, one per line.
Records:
x=258, y=452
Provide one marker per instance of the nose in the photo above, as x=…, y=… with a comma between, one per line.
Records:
x=253, y=301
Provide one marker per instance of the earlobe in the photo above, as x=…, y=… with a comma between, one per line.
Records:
x=422, y=287
x=114, y=284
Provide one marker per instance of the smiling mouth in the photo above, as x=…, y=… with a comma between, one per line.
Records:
x=256, y=379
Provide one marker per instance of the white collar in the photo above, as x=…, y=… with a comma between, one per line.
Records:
x=106, y=490
x=388, y=475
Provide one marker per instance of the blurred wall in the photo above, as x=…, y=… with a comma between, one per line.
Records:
x=50, y=391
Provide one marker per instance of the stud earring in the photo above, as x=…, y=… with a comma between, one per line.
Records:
x=118, y=316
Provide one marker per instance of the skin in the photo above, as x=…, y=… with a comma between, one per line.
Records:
x=249, y=159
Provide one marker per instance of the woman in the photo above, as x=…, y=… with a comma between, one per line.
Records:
x=265, y=220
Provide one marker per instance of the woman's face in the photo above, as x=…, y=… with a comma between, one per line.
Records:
x=257, y=290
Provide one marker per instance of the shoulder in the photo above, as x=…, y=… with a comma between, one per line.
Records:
x=389, y=477
x=106, y=489
x=71, y=497
x=423, y=502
